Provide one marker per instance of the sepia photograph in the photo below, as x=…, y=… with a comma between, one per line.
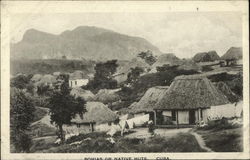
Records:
x=112, y=81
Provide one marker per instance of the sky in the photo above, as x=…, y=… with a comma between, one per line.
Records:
x=181, y=33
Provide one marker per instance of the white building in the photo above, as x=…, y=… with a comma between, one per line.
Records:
x=78, y=79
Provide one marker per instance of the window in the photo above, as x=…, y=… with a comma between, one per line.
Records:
x=70, y=83
x=173, y=115
x=78, y=125
x=75, y=82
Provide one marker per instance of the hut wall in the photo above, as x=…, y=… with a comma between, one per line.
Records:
x=77, y=129
x=217, y=112
x=105, y=127
x=78, y=82
x=183, y=117
x=139, y=114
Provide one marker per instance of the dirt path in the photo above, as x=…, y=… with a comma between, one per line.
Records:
x=44, y=120
x=143, y=132
x=201, y=142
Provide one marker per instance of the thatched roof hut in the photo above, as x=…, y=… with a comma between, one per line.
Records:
x=96, y=113
x=107, y=96
x=191, y=92
x=206, y=56
x=85, y=94
x=149, y=99
x=234, y=53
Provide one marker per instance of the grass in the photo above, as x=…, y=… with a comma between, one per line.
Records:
x=183, y=142
x=223, y=140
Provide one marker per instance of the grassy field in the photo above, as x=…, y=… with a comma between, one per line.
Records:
x=97, y=143
x=223, y=140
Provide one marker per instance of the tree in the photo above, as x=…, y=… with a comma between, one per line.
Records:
x=134, y=74
x=63, y=106
x=21, y=116
x=20, y=81
x=103, y=77
x=148, y=57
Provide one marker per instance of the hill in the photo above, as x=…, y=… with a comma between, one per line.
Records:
x=206, y=56
x=83, y=42
x=233, y=53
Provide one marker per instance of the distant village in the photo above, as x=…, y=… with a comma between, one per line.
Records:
x=142, y=98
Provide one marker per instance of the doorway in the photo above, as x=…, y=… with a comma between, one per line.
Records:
x=192, y=117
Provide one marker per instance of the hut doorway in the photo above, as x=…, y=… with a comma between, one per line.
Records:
x=192, y=117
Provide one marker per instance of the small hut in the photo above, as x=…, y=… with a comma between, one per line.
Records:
x=186, y=99
x=147, y=102
x=233, y=56
x=98, y=117
x=78, y=79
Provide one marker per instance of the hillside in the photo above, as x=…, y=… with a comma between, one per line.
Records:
x=83, y=42
x=206, y=56
x=233, y=53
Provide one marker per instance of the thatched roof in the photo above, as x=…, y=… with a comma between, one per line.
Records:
x=96, y=113
x=107, y=95
x=149, y=99
x=78, y=75
x=233, y=53
x=191, y=92
x=85, y=94
x=36, y=77
x=206, y=56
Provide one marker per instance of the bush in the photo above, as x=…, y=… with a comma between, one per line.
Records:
x=219, y=125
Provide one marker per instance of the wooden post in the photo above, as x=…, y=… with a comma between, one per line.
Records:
x=177, y=119
x=155, y=117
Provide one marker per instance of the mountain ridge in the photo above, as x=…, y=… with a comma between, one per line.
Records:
x=82, y=42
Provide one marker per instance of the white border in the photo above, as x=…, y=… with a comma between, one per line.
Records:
x=9, y=8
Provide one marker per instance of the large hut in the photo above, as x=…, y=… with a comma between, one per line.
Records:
x=78, y=79
x=98, y=117
x=186, y=99
x=147, y=102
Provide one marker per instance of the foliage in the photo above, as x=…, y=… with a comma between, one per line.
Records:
x=21, y=116
x=219, y=124
x=206, y=68
x=48, y=66
x=225, y=140
x=166, y=67
x=20, y=81
x=39, y=113
x=148, y=57
x=103, y=78
x=134, y=74
x=43, y=90
x=63, y=106
x=98, y=143
x=235, y=82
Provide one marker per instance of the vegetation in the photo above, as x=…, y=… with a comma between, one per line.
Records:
x=98, y=143
x=63, y=106
x=223, y=140
x=148, y=57
x=46, y=66
x=103, y=78
x=219, y=124
x=134, y=74
x=21, y=115
x=234, y=82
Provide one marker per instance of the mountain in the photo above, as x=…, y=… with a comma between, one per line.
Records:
x=233, y=53
x=206, y=56
x=83, y=42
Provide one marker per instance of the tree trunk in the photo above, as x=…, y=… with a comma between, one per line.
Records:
x=62, y=136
